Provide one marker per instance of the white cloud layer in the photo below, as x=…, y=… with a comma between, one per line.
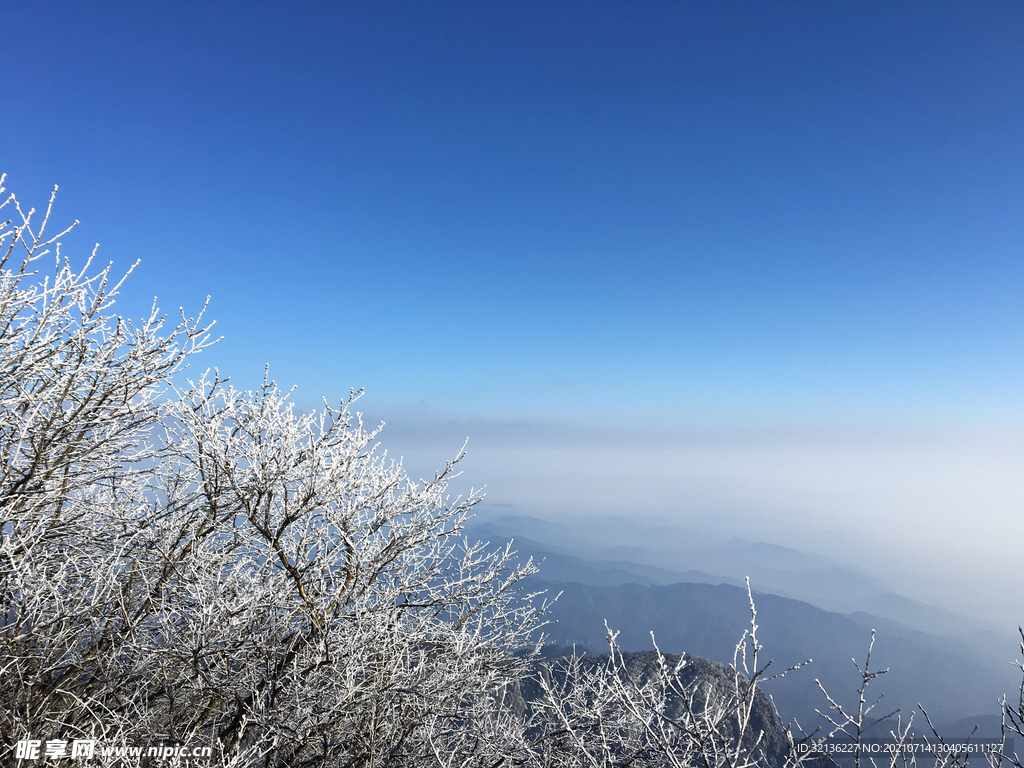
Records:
x=936, y=515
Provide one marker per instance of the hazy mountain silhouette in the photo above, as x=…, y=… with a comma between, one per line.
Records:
x=616, y=551
x=956, y=667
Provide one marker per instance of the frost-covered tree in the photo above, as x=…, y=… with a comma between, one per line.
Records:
x=188, y=562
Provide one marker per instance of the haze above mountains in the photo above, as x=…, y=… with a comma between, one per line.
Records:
x=687, y=587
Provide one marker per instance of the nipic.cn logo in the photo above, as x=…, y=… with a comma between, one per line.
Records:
x=55, y=749
x=86, y=749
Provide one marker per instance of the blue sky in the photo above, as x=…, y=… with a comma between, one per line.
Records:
x=645, y=216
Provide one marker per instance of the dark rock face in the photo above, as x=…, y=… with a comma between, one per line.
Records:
x=765, y=729
x=705, y=681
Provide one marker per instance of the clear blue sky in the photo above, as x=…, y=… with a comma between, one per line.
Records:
x=754, y=262
x=669, y=210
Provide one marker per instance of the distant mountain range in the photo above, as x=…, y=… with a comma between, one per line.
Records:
x=956, y=667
